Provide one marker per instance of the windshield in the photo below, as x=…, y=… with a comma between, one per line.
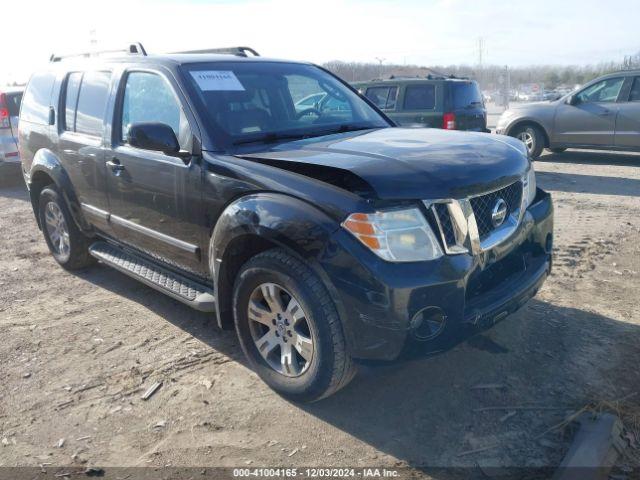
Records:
x=466, y=94
x=249, y=102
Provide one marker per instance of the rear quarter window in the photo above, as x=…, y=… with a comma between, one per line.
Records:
x=420, y=97
x=466, y=94
x=37, y=98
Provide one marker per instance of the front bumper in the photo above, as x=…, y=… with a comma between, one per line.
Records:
x=377, y=300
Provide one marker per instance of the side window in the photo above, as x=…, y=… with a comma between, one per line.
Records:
x=383, y=97
x=37, y=98
x=92, y=101
x=635, y=90
x=71, y=100
x=149, y=98
x=604, y=91
x=420, y=97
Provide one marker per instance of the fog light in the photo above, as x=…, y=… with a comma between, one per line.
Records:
x=428, y=323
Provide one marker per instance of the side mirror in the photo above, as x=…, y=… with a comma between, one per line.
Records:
x=573, y=100
x=157, y=137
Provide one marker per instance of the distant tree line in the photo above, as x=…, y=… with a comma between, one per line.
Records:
x=488, y=76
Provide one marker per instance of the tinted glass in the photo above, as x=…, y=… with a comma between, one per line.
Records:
x=149, y=98
x=37, y=98
x=71, y=100
x=604, y=91
x=465, y=94
x=92, y=102
x=13, y=103
x=383, y=97
x=635, y=90
x=420, y=97
x=259, y=101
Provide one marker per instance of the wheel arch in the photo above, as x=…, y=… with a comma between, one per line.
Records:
x=528, y=122
x=256, y=223
x=47, y=169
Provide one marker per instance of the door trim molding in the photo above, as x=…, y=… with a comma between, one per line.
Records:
x=95, y=211
x=174, y=242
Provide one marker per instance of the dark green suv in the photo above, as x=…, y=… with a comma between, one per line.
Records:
x=437, y=102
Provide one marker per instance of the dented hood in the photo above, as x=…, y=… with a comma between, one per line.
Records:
x=407, y=163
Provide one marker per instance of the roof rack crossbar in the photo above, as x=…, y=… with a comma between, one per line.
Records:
x=237, y=51
x=132, y=49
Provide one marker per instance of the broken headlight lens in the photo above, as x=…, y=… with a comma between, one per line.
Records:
x=395, y=235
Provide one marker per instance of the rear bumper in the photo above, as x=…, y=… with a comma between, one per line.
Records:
x=8, y=148
x=378, y=300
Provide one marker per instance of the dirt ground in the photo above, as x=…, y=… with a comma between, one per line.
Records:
x=78, y=350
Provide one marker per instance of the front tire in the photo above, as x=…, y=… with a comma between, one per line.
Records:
x=533, y=139
x=289, y=328
x=68, y=245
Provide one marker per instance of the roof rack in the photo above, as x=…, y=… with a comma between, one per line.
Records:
x=132, y=49
x=237, y=51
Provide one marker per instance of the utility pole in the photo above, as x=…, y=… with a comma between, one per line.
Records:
x=481, y=51
x=380, y=60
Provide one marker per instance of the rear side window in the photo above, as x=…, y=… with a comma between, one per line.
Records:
x=71, y=100
x=420, y=97
x=465, y=94
x=37, y=98
x=92, y=101
x=383, y=97
x=635, y=90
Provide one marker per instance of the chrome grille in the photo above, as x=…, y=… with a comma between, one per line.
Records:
x=445, y=223
x=483, y=206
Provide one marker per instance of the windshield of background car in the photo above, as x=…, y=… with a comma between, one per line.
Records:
x=269, y=101
x=466, y=94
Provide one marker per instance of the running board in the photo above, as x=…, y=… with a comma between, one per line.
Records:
x=175, y=285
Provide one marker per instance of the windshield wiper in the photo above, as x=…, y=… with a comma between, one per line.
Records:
x=270, y=138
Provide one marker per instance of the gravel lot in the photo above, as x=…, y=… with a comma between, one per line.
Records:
x=79, y=350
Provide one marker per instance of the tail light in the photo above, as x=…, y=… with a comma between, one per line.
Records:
x=5, y=119
x=449, y=121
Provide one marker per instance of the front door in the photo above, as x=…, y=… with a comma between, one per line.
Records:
x=628, y=121
x=591, y=119
x=154, y=198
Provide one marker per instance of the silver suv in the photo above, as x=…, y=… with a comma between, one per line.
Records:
x=10, y=100
x=605, y=113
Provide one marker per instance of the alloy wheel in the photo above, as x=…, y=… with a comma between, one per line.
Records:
x=280, y=330
x=57, y=229
x=526, y=138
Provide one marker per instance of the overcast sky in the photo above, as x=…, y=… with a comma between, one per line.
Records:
x=426, y=32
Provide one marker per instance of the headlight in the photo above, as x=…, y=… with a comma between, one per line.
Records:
x=395, y=235
x=529, y=186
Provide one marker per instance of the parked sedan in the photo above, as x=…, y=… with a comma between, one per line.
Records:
x=10, y=100
x=605, y=113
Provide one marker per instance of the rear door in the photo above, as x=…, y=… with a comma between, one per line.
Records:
x=421, y=105
x=155, y=198
x=628, y=119
x=467, y=105
x=592, y=120
x=83, y=102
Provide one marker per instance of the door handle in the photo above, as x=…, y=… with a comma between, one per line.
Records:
x=115, y=165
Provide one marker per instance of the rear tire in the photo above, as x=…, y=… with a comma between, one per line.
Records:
x=68, y=245
x=289, y=328
x=556, y=150
x=532, y=137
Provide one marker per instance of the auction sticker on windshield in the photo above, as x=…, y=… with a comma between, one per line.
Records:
x=217, y=80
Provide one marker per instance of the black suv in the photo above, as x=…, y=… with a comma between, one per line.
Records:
x=324, y=236
x=450, y=103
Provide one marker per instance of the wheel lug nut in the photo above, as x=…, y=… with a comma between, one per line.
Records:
x=289, y=332
x=284, y=339
x=286, y=322
x=273, y=321
x=277, y=334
